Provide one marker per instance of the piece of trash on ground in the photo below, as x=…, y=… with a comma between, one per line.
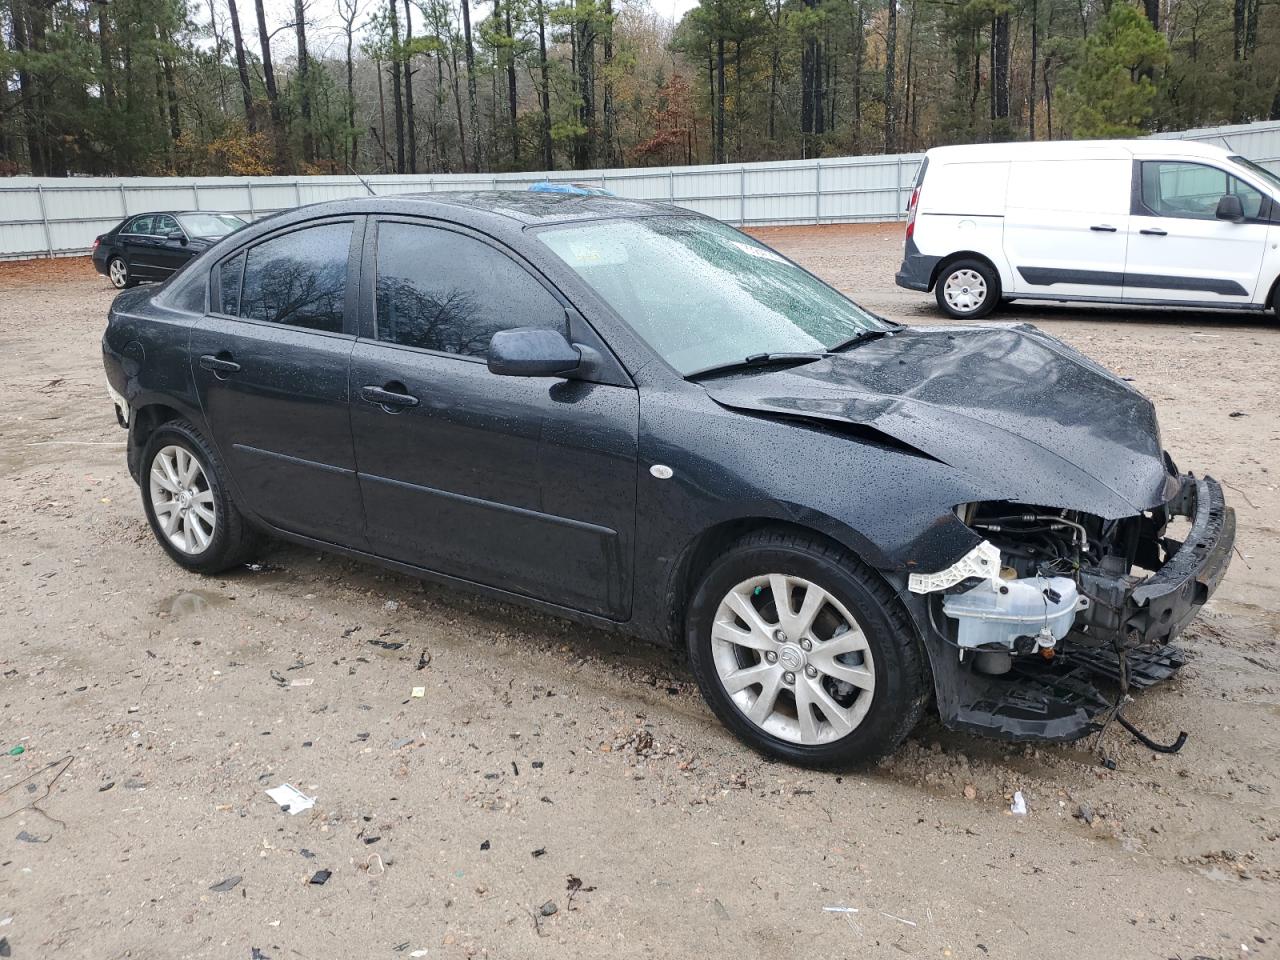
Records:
x=837, y=909
x=548, y=908
x=909, y=923
x=320, y=877
x=222, y=886
x=302, y=682
x=17, y=751
x=1019, y=806
x=291, y=799
x=25, y=837
x=418, y=692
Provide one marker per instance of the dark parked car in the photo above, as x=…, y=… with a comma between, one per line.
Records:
x=151, y=246
x=642, y=419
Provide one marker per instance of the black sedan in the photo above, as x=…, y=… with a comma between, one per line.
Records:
x=151, y=246
x=644, y=420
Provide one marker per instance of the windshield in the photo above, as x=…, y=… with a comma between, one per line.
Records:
x=1272, y=179
x=702, y=294
x=210, y=224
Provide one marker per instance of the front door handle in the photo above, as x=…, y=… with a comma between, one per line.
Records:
x=1103, y=228
x=1154, y=232
x=390, y=397
x=221, y=365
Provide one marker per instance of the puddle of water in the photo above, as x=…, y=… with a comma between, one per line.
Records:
x=188, y=603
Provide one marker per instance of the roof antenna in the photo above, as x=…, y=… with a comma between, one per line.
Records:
x=372, y=192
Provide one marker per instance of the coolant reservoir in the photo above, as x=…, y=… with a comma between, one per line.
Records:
x=998, y=612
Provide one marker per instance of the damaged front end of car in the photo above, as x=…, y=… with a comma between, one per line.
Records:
x=1052, y=602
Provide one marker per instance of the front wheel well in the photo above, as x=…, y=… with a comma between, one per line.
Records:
x=947, y=261
x=1273, y=301
x=698, y=555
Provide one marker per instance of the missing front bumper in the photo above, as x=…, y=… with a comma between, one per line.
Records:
x=1150, y=611
x=1125, y=633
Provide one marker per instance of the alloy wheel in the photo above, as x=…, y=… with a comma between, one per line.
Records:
x=118, y=271
x=182, y=499
x=793, y=659
x=965, y=290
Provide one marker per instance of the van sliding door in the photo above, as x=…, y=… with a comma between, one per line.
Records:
x=1066, y=227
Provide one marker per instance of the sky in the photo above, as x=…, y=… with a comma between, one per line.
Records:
x=325, y=26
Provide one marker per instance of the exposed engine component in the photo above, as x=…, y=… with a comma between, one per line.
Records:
x=1000, y=618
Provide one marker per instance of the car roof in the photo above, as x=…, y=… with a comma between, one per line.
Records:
x=532, y=207
x=1079, y=149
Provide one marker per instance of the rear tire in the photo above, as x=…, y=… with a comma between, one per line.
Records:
x=967, y=289
x=119, y=274
x=185, y=497
x=836, y=679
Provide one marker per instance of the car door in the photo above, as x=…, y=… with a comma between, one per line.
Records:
x=1066, y=226
x=271, y=362
x=169, y=253
x=1179, y=251
x=524, y=484
x=135, y=246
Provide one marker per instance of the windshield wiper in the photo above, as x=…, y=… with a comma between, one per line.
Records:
x=757, y=360
x=859, y=338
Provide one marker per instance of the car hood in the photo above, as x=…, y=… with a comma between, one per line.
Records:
x=1024, y=416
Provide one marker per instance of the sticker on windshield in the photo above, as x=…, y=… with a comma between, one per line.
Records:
x=762, y=253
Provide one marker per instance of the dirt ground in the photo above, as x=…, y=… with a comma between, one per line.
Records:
x=559, y=792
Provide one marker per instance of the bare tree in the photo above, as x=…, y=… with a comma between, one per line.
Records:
x=242, y=67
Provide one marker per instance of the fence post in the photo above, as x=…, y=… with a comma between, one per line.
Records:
x=44, y=218
x=124, y=201
x=817, y=192
x=898, y=182
x=253, y=214
x=671, y=186
x=297, y=193
x=195, y=189
x=742, y=196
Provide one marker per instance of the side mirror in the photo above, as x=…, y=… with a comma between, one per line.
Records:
x=532, y=352
x=177, y=235
x=1230, y=208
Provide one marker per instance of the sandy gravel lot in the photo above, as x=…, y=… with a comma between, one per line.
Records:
x=558, y=792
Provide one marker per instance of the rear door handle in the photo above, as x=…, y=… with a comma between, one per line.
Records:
x=1103, y=228
x=390, y=397
x=1154, y=232
x=221, y=364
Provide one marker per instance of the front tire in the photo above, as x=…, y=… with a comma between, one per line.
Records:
x=804, y=653
x=118, y=273
x=185, y=497
x=967, y=289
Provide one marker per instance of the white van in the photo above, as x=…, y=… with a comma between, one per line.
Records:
x=1142, y=222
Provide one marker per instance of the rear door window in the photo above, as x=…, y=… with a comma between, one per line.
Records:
x=1191, y=191
x=298, y=279
x=139, y=225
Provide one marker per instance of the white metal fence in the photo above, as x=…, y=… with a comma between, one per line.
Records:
x=61, y=216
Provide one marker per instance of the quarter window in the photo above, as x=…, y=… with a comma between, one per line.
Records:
x=229, y=274
x=443, y=291
x=298, y=279
x=1192, y=190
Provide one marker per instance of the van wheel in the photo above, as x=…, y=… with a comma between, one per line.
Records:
x=967, y=289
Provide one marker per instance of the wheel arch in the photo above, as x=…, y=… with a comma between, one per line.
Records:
x=144, y=421
x=703, y=548
x=951, y=258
